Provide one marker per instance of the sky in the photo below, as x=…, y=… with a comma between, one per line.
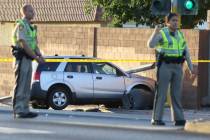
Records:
x=204, y=26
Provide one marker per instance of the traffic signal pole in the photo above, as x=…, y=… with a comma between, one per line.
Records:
x=174, y=7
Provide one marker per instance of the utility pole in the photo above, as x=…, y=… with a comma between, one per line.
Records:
x=174, y=5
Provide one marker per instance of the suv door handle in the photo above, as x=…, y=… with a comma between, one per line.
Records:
x=70, y=76
x=99, y=78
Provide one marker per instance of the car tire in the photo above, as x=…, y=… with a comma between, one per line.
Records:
x=59, y=98
x=35, y=105
x=140, y=99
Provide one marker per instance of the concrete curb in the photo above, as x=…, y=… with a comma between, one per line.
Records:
x=67, y=113
x=5, y=98
x=198, y=126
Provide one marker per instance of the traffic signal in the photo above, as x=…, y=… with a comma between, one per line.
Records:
x=188, y=7
x=161, y=7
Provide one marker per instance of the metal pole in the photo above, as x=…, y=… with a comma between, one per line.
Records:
x=95, y=42
x=174, y=9
x=206, y=100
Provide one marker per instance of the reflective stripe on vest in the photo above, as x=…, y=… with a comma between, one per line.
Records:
x=31, y=33
x=171, y=46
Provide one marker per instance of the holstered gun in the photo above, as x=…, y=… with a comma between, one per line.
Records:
x=159, y=58
x=19, y=53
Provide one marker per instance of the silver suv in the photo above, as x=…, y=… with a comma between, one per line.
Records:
x=59, y=84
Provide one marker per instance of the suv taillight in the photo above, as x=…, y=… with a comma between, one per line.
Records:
x=37, y=76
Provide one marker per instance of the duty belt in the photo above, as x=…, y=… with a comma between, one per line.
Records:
x=175, y=60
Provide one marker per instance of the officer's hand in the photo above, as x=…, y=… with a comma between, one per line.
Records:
x=157, y=29
x=193, y=73
x=40, y=59
x=153, y=65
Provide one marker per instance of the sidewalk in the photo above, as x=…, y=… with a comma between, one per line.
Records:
x=198, y=126
x=197, y=120
x=92, y=119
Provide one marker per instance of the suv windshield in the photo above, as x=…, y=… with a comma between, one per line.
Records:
x=104, y=68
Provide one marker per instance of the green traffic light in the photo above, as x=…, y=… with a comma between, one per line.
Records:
x=189, y=4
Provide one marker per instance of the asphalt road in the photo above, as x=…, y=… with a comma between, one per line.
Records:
x=45, y=131
x=87, y=126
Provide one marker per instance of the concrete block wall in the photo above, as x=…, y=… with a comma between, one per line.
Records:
x=6, y=72
x=122, y=44
x=190, y=88
x=53, y=39
x=65, y=40
x=117, y=43
x=111, y=43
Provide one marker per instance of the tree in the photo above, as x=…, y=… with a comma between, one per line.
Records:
x=122, y=11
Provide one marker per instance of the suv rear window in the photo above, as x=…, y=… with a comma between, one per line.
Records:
x=49, y=66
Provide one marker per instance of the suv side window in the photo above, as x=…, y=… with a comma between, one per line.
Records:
x=104, y=68
x=49, y=66
x=78, y=67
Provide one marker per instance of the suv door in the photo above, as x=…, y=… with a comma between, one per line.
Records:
x=79, y=75
x=108, y=81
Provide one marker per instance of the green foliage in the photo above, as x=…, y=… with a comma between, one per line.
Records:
x=119, y=12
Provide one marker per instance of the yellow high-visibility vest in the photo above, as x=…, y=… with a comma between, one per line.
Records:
x=31, y=33
x=171, y=46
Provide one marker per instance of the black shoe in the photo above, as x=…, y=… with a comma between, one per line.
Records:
x=26, y=115
x=158, y=122
x=180, y=123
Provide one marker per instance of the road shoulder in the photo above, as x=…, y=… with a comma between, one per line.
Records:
x=198, y=126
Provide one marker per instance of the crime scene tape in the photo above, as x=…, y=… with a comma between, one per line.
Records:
x=100, y=60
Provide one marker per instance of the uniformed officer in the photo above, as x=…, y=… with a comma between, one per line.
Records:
x=25, y=50
x=172, y=51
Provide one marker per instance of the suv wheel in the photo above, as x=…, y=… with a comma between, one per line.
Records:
x=59, y=98
x=141, y=99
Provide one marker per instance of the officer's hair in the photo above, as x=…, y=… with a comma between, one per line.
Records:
x=24, y=8
x=170, y=16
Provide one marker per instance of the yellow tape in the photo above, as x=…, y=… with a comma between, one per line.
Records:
x=6, y=60
x=100, y=60
x=96, y=60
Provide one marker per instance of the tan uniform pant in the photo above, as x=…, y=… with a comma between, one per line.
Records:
x=169, y=74
x=22, y=88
